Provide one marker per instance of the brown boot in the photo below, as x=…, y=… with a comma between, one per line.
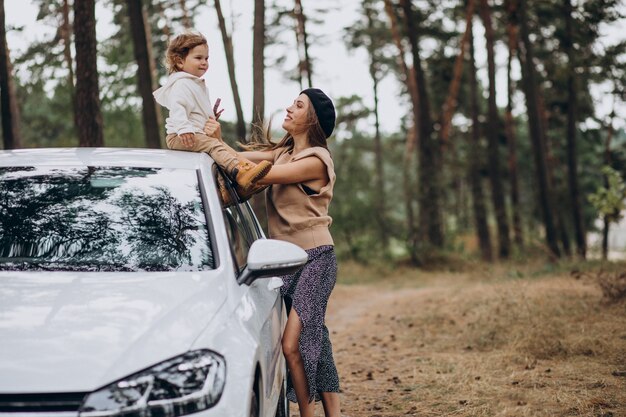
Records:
x=225, y=195
x=245, y=195
x=246, y=173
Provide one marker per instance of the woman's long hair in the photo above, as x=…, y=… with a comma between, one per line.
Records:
x=314, y=133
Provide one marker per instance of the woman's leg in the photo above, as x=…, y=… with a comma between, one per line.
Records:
x=291, y=350
x=330, y=400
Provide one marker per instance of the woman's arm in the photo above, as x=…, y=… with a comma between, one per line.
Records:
x=257, y=156
x=306, y=169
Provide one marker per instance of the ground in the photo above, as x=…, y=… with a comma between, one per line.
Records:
x=497, y=341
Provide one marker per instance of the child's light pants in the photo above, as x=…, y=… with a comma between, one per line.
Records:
x=217, y=150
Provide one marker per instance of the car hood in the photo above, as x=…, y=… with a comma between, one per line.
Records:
x=69, y=332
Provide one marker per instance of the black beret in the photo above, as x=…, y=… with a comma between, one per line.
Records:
x=324, y=109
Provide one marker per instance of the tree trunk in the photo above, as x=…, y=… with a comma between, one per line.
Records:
x=495, y=176
x=305, y=61
x=230, y=60
x=474, y=163
x=429, y=153
x=8, y=97
x=166, y=27
x=510, y=125
x=453, y=92
x=89, y=124
x=412, y=236
x=378, y=149
x=606, y=223
x=529, y=83
x=409, y=78
x=552, y=164
x=66, y=35
x=145, y=73
x=572, y=159
x=258, y=70
x=411, y=140
x=185, y=14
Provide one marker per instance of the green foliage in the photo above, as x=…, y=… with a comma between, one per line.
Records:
x=610, y=199
x=353, y=209
x=47, y=120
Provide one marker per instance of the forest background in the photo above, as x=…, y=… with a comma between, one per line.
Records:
x=469, y=129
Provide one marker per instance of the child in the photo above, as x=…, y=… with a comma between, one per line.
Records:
x=186, y=97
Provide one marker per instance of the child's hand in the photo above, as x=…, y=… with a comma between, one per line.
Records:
x=187, y=139
x=213, y=128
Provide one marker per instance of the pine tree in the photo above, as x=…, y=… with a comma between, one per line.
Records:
x=90, y=129
x=429, y=152
x=230, y=61
x=493, y=152
x=142, y=46
x=8, y=99
x=258, y=70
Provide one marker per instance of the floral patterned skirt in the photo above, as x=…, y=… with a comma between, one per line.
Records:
x=308, y=291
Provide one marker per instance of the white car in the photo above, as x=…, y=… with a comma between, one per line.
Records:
x=126, y=289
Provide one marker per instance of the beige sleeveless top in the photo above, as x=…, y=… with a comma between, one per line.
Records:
x=295, y=216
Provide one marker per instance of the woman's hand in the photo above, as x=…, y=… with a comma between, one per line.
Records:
x=213, y=128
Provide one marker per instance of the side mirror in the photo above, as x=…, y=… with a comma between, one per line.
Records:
x=270, y=258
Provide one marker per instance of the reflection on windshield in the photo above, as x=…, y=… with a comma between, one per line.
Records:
x=102, y=219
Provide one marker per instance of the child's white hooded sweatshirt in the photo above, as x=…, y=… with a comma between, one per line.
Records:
x=187, y=99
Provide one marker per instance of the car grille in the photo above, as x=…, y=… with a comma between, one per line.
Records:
x=20, y=403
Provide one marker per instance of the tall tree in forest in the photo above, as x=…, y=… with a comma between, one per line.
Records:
x=495, y=176
x=429, y=152
x=374, y=70
x=553, y=164
x=373, y=35
x=185, y=14
x=165, y=28
x=529, y=83
x=8, y=98
x=606, y=217
x=146, y=81
x=258, y=70
x=572, y=159
x=450, y=103
x=230, y=61
x=304, y=66
x=407, y=76
x=509, y=122
x=66, y=34
x=475, y=162
x=90, y=129
x=406, y=73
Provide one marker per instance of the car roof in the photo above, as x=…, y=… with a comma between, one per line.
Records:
x=129, y=157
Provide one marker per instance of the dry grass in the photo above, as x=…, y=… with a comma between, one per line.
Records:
x=493, y=341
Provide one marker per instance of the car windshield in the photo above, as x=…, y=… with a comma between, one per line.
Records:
x=102, y=219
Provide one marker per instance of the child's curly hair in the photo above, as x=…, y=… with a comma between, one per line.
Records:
x=179, y=47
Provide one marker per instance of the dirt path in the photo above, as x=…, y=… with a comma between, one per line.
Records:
x=363, y=322
x=477, y=350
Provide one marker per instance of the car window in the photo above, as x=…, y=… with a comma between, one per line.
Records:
x=102, y=219
x=251, y=220
x=239, y=240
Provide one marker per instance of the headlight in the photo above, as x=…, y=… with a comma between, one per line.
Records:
x=183, y=385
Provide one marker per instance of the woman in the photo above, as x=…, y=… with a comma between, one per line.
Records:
x=301, y=183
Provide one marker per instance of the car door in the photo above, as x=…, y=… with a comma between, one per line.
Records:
x=269, y=318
